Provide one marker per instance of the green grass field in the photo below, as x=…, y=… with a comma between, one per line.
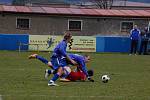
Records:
x=23, y=79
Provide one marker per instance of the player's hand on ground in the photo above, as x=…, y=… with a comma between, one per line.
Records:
x=90, y=79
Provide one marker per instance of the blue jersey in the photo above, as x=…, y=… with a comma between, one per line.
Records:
x=135, y=34
x=60, y=49
x=58, y=58
x=81, y=61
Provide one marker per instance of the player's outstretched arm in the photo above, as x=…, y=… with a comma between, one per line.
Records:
x=72, y=61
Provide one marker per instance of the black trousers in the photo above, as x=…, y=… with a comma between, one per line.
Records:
x=134, y=44
x=143, y=47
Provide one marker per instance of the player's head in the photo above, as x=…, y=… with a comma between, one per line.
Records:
x=146, y=29
x=87, y=58
x=135, y=26
x=67, y=36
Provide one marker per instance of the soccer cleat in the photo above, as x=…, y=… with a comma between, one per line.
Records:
x=51, y=83
x=33, y=56
x=46, y=74
x=130, y=54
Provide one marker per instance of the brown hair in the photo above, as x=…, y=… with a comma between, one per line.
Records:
x=67, y=35
x=86, y=55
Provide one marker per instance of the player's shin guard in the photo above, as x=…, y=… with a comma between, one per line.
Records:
x=42, y=59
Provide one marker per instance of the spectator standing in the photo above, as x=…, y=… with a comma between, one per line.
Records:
x=145, y=35
x=134, y=36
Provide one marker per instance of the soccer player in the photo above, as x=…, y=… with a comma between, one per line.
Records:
x=77, y=75
x=58, y=58
x=81, y=60
x=80, y=74
x=68, y=74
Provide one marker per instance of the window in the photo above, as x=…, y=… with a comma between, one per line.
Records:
x=75, y=25
x=126, y=26
x=23, y=23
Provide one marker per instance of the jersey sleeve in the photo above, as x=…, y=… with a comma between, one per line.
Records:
x=84, y=69
x=131, y=34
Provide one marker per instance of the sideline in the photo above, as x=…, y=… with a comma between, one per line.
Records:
x=1, y=97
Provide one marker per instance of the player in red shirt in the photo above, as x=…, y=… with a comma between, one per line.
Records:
x=77, y=75
x=68, y=74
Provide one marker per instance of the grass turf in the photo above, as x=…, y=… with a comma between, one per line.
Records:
x=23, y=79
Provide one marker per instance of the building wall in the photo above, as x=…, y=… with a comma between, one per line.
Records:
x=44, y=24
x=131, y=7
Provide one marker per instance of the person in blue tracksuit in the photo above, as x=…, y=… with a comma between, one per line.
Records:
x=134, y=36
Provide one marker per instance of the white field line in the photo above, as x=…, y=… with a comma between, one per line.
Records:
x=18, y=69
x=43, y=95
x=1, y=97
x=66, y=96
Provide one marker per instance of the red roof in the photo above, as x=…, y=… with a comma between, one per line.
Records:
x=22, y=9
x=75, y=11
x=1, y=8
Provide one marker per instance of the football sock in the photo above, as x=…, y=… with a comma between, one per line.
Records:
x=55, y=77
x=42, y=59
x=50, y=71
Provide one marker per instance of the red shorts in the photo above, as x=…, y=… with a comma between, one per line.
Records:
x=73, y=76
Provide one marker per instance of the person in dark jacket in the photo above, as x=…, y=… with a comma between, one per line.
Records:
x=134, y=36
x=144, y=41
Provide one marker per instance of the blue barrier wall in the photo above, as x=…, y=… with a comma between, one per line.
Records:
x=103, y=44
x=11, y=41
x=100, y=44
x=112, y=44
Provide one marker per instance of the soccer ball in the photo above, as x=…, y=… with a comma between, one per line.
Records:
x=105, y=78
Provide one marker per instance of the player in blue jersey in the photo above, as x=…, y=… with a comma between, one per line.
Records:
x=81, y=61
x=80, y=74
x=58, y=58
